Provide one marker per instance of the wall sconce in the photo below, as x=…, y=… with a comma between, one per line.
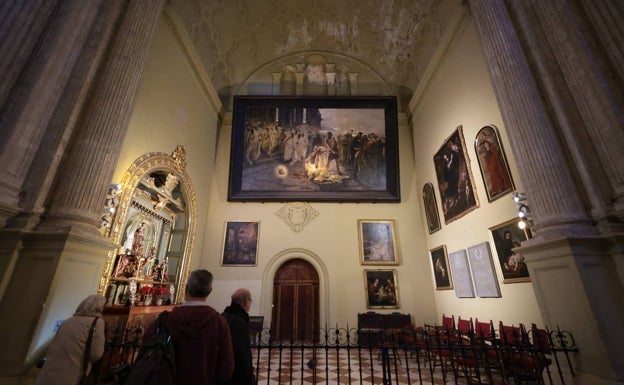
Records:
x=519, y=197
x=524, y=212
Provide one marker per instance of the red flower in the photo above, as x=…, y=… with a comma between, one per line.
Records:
x=161, y=290
x=146, y=290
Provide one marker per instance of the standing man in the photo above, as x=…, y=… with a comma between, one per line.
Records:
x=201, y=336
x=237, y=315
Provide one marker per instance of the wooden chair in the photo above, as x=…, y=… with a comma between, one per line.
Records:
x=440, y=340
x=477, y=355
x=524, y=355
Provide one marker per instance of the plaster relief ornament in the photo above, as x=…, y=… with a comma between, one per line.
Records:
x=297, y=215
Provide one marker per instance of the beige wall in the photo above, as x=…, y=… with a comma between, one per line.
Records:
x=330, y=242
x=173, y=103
x=175, y=106
x=460, y=93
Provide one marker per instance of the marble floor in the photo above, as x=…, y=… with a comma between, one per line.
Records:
x=306, y=366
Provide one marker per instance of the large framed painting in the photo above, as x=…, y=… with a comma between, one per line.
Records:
x=493, y=163
x=240, y=243
x=440, y=266
x=455, y=180
x=378, y=242
x=507, y=236
x=382, y=289
x=483, y=273
x=323, y=149
x=431, y=208
x=462, y=280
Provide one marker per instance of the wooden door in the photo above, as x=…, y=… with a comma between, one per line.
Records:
x=296, y=301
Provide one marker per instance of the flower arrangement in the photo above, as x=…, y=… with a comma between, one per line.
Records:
x=161, y=291
x=147, y=290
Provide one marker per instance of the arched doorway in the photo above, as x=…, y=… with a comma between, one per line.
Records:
x=296, y=301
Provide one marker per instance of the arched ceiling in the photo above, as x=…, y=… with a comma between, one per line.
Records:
x=397, y=39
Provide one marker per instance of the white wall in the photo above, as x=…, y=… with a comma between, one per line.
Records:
x=461, y=93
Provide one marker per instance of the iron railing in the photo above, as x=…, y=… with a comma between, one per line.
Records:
x=424, y=355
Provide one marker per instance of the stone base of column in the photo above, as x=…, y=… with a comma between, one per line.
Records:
x=6, y=212
x=10, y=245
x=52, y=273
x=578, y=289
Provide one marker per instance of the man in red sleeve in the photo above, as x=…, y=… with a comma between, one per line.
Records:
x=201, y=336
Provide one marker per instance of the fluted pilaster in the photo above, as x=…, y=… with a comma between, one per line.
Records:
x=92, y=155
x=593, y=82
x=37, y=112
x=21, y=22
x=554, y=199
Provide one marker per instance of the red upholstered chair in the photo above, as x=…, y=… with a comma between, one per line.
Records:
x=471, y=356
x=524, y=355
x=448, y=322
x=484, y=331
x=464, y=327
x=441, y=340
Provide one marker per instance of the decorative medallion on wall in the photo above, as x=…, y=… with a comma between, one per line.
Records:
x=297, y=215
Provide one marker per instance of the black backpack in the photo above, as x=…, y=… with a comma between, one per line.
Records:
x=155, y=363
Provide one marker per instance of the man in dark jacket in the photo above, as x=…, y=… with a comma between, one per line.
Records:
x=201, y=336
x=238, y=318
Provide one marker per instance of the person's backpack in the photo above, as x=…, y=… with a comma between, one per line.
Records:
x=155, y=363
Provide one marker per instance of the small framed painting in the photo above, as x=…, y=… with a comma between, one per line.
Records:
x=378, y=244
x=506, y=237
x=441, y=271
x=381, y=288
x=240, y=243
x=431, y=208
x=493, y=163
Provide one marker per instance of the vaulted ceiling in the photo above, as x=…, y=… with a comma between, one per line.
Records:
x=399, y=40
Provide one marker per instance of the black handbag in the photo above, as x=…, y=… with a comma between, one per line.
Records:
x=92, y=377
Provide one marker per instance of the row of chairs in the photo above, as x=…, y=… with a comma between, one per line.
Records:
x=475, y=349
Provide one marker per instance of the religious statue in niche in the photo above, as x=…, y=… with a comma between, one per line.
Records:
x=136, y=262
x=137, y=241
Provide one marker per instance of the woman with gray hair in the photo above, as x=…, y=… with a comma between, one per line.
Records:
x=65, y=363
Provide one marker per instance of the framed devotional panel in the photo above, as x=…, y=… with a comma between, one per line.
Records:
x=240, y=243
x=455, y=181
x=431, y=208
x=378, y=242
x=323, y=149
x=483, y=273
x=507, y=236
x=493, y=163
x=381, y=287
x=441, y=270
x=460, y=270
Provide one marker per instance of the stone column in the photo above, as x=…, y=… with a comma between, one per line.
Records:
x=92, y=154
x=21, y=23
x=277, y=82
x=299, y=79
x=571, y=266
x=61, y=262
x=353, y=83
x=567, y=56
x=555, y=201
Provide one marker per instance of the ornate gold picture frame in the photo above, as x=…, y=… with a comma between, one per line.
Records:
x=382, y=289
x=378, y=242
